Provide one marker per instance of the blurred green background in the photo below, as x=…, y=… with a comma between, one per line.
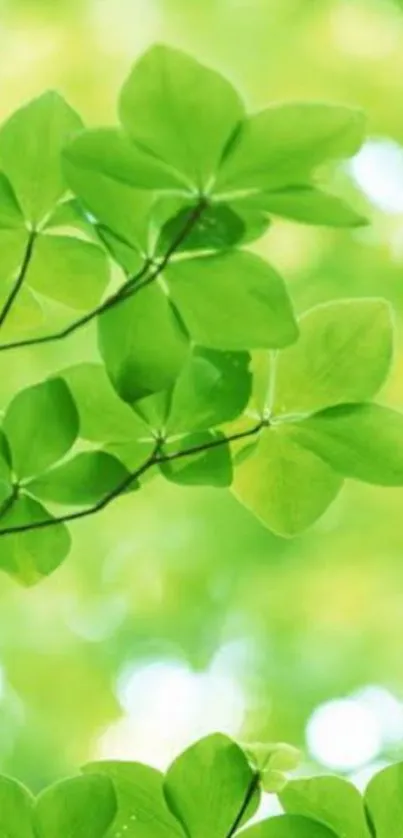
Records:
x=177, y=613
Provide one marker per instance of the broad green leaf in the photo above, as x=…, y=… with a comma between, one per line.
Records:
x=180, y=111
x=31, y=555
x=309, y=205
x=142, y=344
x=10, y=213
x=343, y=354
x=142, y=809
x=363, y=441
x=83, y=807
x=85, y=479
x=211, y=466
x=282, y=145
x=288, y=826
x=232, y=301
x=116, y=205
x=284, y=484
x=384, y=802
x=40, y=424
x=331, y=800
x=69, y=270
x=212, y=388
x=218, y=228
x=207, y=785
x=15, y=809
x=103, y=416
x=31, y=142
x=110, y=152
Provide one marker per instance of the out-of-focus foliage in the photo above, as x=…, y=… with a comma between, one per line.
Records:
x=272, y=627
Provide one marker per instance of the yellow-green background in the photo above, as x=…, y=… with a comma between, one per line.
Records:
x=269, y=629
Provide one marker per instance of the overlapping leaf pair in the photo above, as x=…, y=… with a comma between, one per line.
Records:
x=213, y=788
x=200, y=369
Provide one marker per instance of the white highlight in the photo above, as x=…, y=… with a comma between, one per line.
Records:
x=167, y=706
x=378, y=171
x=344, y=734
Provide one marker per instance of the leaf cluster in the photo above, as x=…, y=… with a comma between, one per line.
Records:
x=213, y=788
x=202, y=372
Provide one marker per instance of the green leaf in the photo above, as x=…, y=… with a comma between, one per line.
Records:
x=232, y=301
x=10, y=212
x=212, y=388
x=142, y=344
x=31, y=555
x=331, y=800
x=83, y=807
x=211, y=466
x=69, y=270
x=284, y=484
x=310, y=206
x=343, y=354
x=288, y=826
x=15, y=810
x=207, y=785
x=384, y=802
x=31, y=142
x=114, y=204
x=108, y=151
x=85, y=479
x=103, y=416
x=142, y=809
x=218, y=228
x=363, y=441
x=40, y=424
x=180, y=111
x=282, y=145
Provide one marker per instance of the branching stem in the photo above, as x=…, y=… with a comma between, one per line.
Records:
x=155, y=458
x=20, y=279
x=251, y=790
x=130, y=287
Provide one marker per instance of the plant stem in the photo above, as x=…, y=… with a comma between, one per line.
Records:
x=154, y=459
x=131, y=287
x=20, y=278
x=253, y=787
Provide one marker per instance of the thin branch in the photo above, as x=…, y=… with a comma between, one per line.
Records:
x=253, y=787
x=154, y=459
x=131, y=287
x=111, y=302
x=20, y=278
